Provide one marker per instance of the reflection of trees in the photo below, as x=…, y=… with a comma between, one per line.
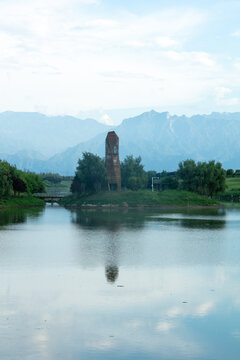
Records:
x=114, y=220
x=211, y=219
x=111, y=220
x=15, y=216
x=203, y=224
x=107, y=236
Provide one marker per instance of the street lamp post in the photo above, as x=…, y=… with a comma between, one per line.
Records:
x=154, y=177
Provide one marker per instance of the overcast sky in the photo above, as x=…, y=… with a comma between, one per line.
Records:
x=84, y=57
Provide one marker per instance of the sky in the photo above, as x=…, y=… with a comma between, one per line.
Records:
x=110, y=59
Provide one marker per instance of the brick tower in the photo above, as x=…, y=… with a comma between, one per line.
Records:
x=112, y=161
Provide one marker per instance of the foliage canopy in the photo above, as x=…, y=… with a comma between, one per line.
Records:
x=17, y=181
x=90, y=175
x=205, y=178
x=132, y=173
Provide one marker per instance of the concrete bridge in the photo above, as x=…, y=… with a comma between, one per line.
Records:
x=51, y=197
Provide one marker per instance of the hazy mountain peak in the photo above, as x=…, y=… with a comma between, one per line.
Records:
x=45, y=134
x=160, y=139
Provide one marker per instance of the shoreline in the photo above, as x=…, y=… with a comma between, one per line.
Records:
x=141, y=199
x=20, y=202
x=142, y=207
x=20, y=206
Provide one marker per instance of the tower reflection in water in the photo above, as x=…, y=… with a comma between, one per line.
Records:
x=111, y=272
x=109, y=247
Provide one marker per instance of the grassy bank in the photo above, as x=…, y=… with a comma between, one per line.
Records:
x=232, y=192
x=175, y=198
x=233, y=183
x=20, y=201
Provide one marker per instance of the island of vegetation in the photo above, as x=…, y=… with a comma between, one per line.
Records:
x=192, y=185
x=17, y=187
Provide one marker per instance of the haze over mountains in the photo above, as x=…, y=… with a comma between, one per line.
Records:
x=160, y=139
x=40, y=136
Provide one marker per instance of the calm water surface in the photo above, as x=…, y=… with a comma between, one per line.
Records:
x=114, y=285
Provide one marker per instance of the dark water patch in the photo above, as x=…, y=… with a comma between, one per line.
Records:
x=17, y=216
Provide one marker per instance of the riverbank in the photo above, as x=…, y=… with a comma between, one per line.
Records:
x=20, y=202
x=141, y=198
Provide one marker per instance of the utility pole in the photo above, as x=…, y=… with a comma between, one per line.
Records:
x=155, y=177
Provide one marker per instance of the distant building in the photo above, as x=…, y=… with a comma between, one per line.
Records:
x=112, y=161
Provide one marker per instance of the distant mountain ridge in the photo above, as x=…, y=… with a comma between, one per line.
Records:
x=46, y=135
x=161, y=140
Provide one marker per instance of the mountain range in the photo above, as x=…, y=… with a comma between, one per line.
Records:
x=38, y=136
x=160, y=139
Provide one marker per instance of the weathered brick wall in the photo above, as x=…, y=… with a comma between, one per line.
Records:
x=112, y=160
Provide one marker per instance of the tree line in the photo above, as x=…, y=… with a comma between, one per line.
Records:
x=205, y=178
x=55, y=178
x=14, y=181
x=232, y=173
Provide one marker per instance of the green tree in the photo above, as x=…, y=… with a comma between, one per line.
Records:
x=230, y=172
x=132, y=173
x=90, y=174
x=216, y=178
x=6, y=172
x=51, y=177
x=188, y=174
x=14, y=180
x=19, y=186
x=168, y=182
x=203, y=178
x=34, y=183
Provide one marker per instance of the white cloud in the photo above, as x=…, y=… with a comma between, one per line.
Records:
x=236, y=334
x=194, y=57
x=165, y=42
x=175, y=311
x=222, y=91
x=174, y=55
x=105, y=119
x=136, y=44
x=97, y=24
x=165, y=326
x=204, y=309
x=134, y=324
x=61, y=50
x=231, y=102
x=100, y=344
x=221, y=97
x=204, y=58
x=90, y=1
x=237, y=65
x=196, y=310
x=236, y=33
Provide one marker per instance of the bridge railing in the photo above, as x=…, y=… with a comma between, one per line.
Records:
x=52, y=195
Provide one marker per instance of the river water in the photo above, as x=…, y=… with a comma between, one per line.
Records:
x=119, y=285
